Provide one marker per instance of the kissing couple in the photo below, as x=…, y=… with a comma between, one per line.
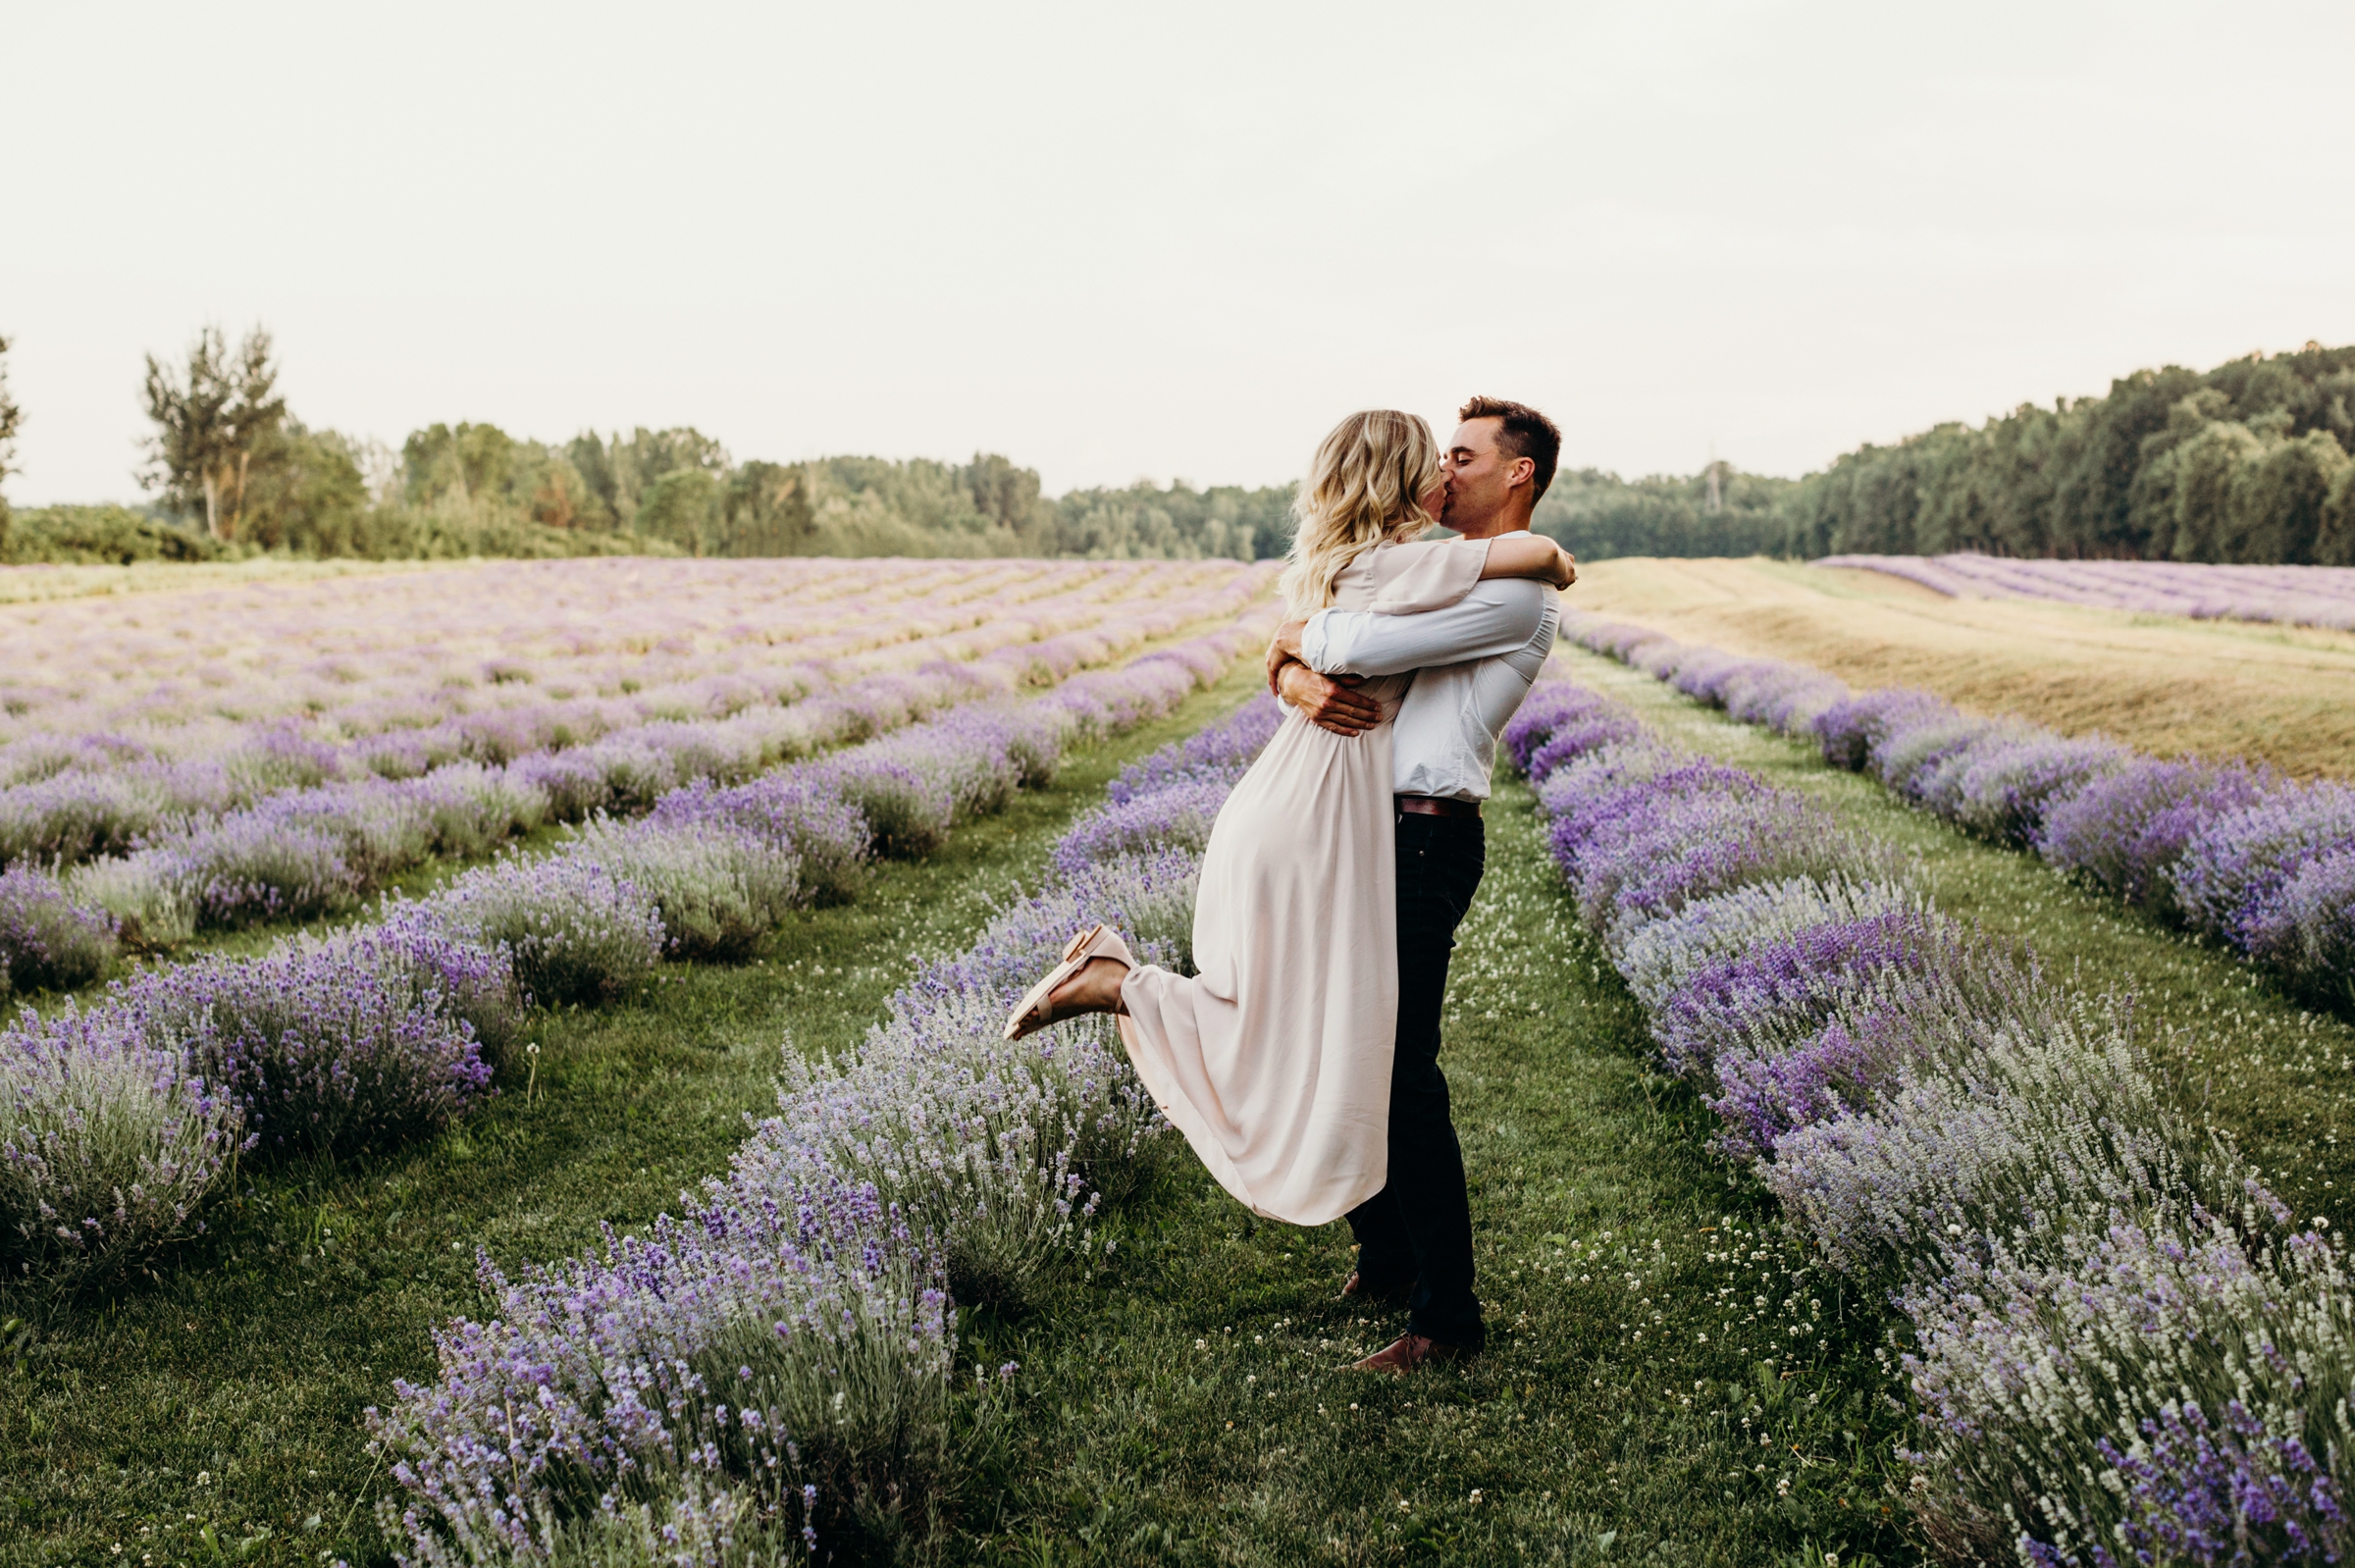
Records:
x=1301, y=1060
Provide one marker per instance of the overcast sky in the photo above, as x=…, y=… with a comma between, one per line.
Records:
x=1161, y=240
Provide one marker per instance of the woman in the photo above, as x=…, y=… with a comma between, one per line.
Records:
x=1274, y=1059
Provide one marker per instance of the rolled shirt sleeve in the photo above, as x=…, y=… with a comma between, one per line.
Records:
x=1495, y=619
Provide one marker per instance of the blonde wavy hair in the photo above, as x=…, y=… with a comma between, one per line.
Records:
x=1364, y=485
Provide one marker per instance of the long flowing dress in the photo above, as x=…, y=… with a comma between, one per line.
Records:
x=1274, y=1059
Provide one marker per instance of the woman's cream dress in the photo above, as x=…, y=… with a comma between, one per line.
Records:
x=1274, y=1059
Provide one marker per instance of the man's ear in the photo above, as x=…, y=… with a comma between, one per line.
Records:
x=1520, y=471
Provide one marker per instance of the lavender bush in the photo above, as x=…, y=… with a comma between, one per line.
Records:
x=421, y=967
x=2124, y=831
x=803, y=1341
x=108, y=1146
x=1178, y=815
x=151, y=909
x=577, y=930
x=718, y=891
x=2124, y=1350
x=321, y=1053
x=827, y=835
x=2235, y=866
x=50, y=942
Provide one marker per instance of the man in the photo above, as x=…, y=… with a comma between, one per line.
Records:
x=1475, y=662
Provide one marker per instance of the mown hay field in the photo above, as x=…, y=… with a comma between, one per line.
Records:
x=2161, y=684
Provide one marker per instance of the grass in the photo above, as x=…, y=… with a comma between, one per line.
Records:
x=2161, y=683
x=213, y=1412
x=2280, y=1077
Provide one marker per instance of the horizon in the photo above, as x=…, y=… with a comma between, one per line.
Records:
x=1121, y=248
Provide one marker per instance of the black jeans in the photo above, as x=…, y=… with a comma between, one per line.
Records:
x=1419, y=1227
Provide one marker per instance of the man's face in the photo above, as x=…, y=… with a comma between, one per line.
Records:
x=1480, y=477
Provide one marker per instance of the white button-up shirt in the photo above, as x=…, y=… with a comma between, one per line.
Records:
x=1474, y=663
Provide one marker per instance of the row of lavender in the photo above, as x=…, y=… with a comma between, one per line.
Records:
x=118, y=1122
x=2123, y=1350
x=786, y=1352
x=301, y=853
x=2255, y=861
x=2301, y=596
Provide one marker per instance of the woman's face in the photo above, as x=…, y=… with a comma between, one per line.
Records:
x=1434, y=497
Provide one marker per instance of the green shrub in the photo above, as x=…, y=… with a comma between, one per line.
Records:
x=102, y=536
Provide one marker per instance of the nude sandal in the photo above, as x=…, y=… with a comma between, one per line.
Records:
x=1035, y=1010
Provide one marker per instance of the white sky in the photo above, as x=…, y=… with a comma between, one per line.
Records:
x=1178, y=239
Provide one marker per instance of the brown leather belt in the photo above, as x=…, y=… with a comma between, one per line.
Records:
x=1436, y=806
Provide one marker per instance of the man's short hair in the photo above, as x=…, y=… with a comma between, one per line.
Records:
x=1526, y=434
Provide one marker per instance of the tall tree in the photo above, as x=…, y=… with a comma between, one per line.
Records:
x=11, y=417
x=211, y=418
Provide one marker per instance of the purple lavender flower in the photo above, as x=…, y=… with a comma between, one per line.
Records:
x=1848, y=731
x=719, y=891
x=2305, y=932
x=2234, y=867
x=1178, y=815
x=2197, y=1492
x=321, y=1052
x=1221, y=751
x=1550, y=708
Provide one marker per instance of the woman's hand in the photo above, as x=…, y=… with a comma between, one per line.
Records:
x=1284, y=648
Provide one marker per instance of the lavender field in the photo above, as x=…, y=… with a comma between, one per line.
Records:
x=221, y=759
x=129, y=1112
x=2298, y=596
x=648, y=1182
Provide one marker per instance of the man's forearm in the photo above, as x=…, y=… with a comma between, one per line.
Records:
x=1495, y=620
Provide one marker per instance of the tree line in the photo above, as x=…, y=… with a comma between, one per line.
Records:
x=1718, y=511
x=234, y=472
x=2247, y=462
